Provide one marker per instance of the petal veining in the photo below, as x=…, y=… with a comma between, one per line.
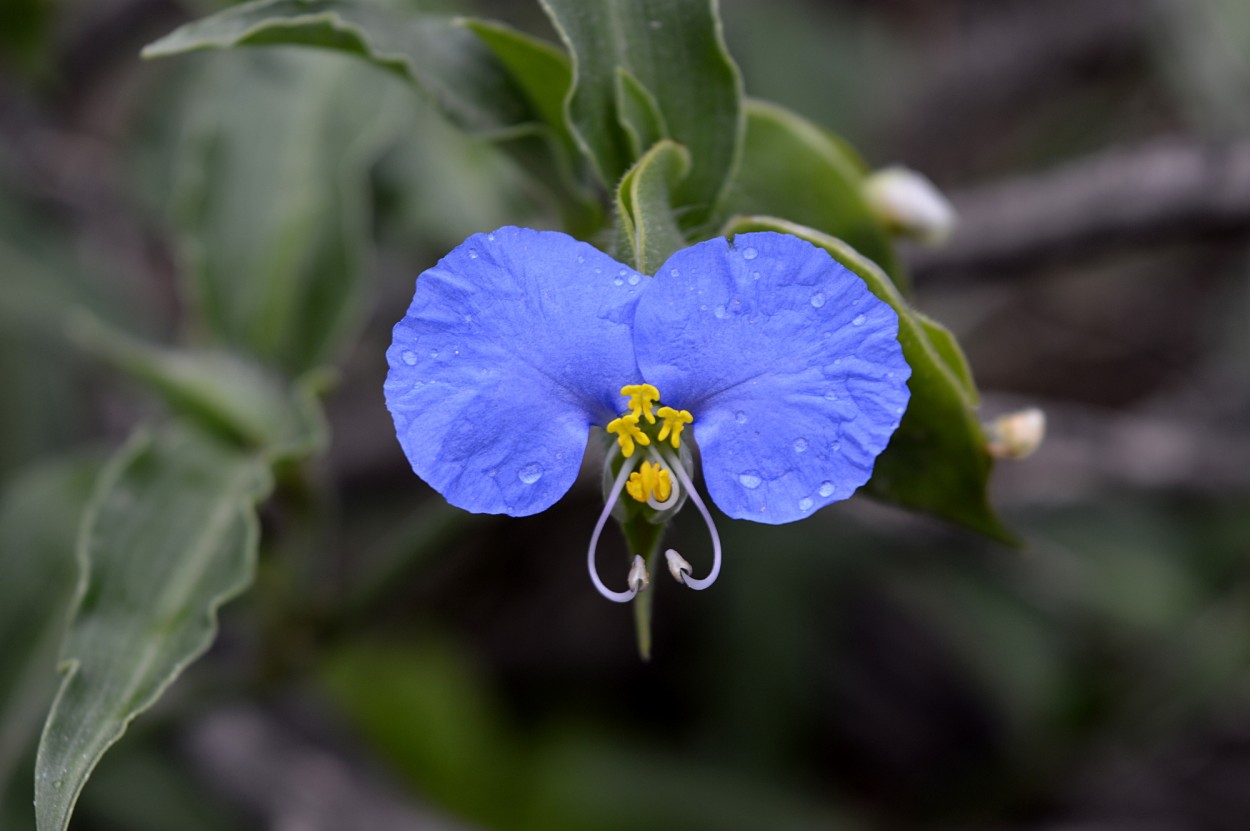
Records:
x=515, y=344
x=790, y=365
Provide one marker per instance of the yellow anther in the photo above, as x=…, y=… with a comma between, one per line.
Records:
x=650, y=480
x=627, y=432
x=642, y=398
x=674, y=422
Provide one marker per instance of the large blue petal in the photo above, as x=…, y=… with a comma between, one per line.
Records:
x=790, y=366
x=515, y=343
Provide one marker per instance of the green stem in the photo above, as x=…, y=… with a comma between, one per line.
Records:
x=643, y=539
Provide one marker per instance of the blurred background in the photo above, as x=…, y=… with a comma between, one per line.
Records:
x=403, y=665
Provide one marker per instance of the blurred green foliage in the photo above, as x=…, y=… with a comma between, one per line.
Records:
x=196, y=251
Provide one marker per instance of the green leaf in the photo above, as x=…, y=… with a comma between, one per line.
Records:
x=644, y=209
x=675, y=50
x=169, y=536
x=221, y=391
x=937, y=461
x=39, y=510
x=639, y=113
x=792, y=168
x=272, y=201
x=439, y=56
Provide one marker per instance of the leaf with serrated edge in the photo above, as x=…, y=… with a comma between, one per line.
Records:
x=643, y=205
x=675, y=50
x=792, y=168
x=937, y=461
x=170, y=535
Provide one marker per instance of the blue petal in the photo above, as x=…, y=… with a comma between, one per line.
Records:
x=515, y=343
x=789, y=364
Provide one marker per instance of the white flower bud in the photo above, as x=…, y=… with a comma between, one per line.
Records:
x=1016, y=435
x=909, y=204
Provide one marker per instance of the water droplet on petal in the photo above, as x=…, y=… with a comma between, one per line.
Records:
x=433, y=353
x=719, y=311
x=740, y=417
x=817, y=300
x=755, y=275
x=837, y=447
x=580, y=259
x=749, y=253
x=490, y=237
x=531, y=473
x=800, y=445
x=634, y=279
x=472, y=253
x=750, y=480
x=805, y=504
x=410, y=357
x=858, y=321
x=674, y=272
x=826, y=489
x=618, y=282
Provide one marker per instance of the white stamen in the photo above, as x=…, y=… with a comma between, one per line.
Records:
x=675, y=494
x=638, y=577
x=616, y=597
x=698, y=585
x=677, y=565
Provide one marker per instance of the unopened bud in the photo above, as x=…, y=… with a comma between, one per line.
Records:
x=1016, y=435
x=677, y=566
x=909, y=204
x=638, y=577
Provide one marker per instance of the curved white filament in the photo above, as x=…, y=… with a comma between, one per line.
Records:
x=692, y=582
x=674, y=495
x=616, y=597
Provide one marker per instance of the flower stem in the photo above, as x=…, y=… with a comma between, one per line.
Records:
x=643, y=539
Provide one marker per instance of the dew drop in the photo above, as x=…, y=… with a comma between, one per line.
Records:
x=749, y=253
x=837, y=447
x=805, y=504
x=703, y=307
x=898, y=411
x=622, y=272
x=674, y=272
x=858, y=321
x=433, y=353
x=618, y=282
x=56, y=785
x=634, y=279
x=755, y=275
x=409, y=357
x=580, y=259
x=750, y=480
x=837, y=361
x=490, y=237
x=800, y=445
x=719, y=311
x=826, y=489
x=472, y=253
x=817, y=300
x=530, y=474
x=740, y=417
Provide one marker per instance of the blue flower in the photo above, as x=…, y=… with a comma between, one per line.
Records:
x=780, y=362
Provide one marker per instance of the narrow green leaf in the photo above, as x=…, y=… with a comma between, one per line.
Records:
x=675, y=50
x=541, y=72
x=792, y=168
x=639, y=113
x=38, y=524
x=169, y=536
x=444, y=60
x=937, y=461
x=272, y=200
x=221, y=391
x=644, y=209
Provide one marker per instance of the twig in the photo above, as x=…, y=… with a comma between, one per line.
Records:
x=1163, y=193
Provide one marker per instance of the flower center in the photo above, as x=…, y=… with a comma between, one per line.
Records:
x=650, y=481
x=629, y=430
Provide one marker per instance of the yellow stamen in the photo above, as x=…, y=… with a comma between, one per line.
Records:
x=627, y=432
x=674, y=422
x=650, y=479
x=642, y=398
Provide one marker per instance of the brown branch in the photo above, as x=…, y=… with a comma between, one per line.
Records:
x=1162, y=193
